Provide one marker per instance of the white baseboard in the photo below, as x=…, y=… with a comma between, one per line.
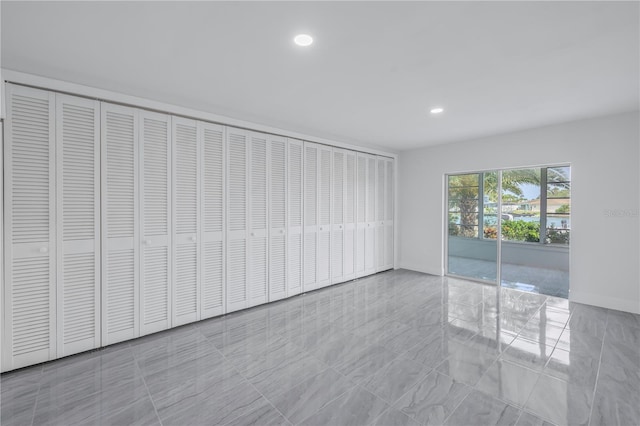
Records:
x=422, y=268
x=625, y=305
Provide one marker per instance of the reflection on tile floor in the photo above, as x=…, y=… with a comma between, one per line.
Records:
x=399, y=347
x=551, y=282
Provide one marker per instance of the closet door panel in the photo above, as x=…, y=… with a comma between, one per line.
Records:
x=380, y=210
x=78, y=230
x=29, y=332
x=120, y=223
x=294, y=217
x=311, y=157
x=213, y=219
x=186, y=215
x=388, y=215
x=155, y=225
x=361, y=216
x=370, y=234
x=277, y=218
x=324, y=216
x=350, y=215
x=338, y=208
x=258, y=207
x=237, y=222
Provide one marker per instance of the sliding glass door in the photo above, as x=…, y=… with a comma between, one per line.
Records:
x=472, y=212
x=511, y=226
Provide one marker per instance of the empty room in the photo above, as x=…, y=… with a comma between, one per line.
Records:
x=320, y=213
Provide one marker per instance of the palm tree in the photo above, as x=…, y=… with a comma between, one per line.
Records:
x=464, y=194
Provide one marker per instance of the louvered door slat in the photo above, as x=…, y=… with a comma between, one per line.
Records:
x=338, y=216
x=277, y=218
x=324, y=214
x=213, y=190
x=361, y=217
x=350, y=215
x=120, y=223
x=370, y=234
x=380, y=211
x=236, y=292
x=78, y=206
x=29, y=332
x=310, y=264
x=294, y=217
x=186, y=216
x=155, y=264
x=258, y=212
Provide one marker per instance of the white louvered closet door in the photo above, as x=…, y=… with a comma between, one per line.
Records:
x=388, y=214
x=213, y=215
x=370, y=236
x=29, y=332
x=258, y=215
x=324, y=216
x=155, y=224
x=186, y=217
x=295, y=275
x=310, y=264
x=361, y=213
x=350, y=207
x=380, y=210
x=78, y=230
x=120, y=223
x=338, y=217
x=237, y=210
x=277, y=218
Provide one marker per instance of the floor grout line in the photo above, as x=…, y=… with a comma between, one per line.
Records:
x=595, y=387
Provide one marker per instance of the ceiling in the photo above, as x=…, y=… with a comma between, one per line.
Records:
x=370, y=78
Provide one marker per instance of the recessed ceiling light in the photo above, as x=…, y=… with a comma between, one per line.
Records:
x=437, y=110
x=303, y=40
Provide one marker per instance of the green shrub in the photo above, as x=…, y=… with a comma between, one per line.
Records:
x=520, y=230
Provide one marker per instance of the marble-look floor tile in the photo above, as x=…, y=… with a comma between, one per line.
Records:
x=560, y=402
x=367, y=363
x=433, y=399
x=354, y=408
x=618, y=353
x=310, y=396
x=214, y=405
x=615, y=409
x=573, y=367
x=624, y=318
x=619, y=381
x=139, y=413
x=395, y=379
x=431, y=351
x=528, y=353
x=55, y=406
x=528, y=419
x=581, y=342
x=264, y=415
x=509, y=382
x=393, y=417
x=278, y=372
x=481, y=409
x=465, y=364
x=623, y=333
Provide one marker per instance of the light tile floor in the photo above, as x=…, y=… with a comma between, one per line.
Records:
x=397, y=348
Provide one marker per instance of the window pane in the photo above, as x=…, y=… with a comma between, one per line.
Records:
x=521, y=205
x=471, y=179
x=559, y=190
x=559, y=174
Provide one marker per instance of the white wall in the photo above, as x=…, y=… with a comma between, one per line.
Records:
x=604, y=155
